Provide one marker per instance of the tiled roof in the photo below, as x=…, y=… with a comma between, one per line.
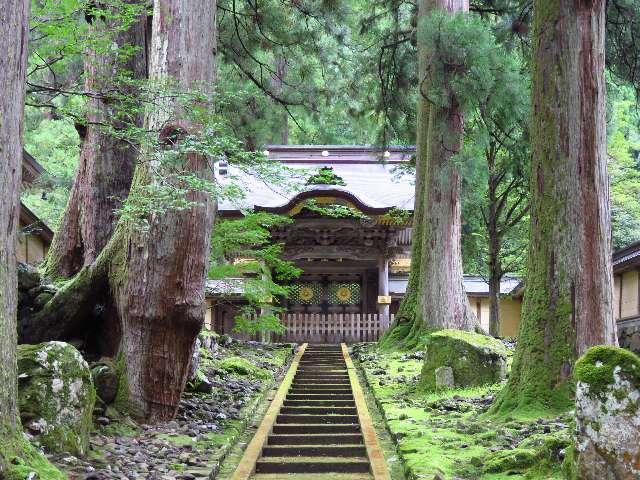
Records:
x=473, y=285
x=623, y=257
x=371, y=177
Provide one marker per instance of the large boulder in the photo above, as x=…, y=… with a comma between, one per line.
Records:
x=473, y=359
x=607, y=415
x=56, y=396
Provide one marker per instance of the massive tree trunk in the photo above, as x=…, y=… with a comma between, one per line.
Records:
x=105, y=170
x=408, y=325
x=158, y=274
x=435, y=296
x=444, y=301
x=14, y=18
x=568, y=298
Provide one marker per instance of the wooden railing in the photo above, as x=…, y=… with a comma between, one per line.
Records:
x=331, y=328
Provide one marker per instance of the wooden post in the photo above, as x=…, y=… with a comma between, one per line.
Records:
x=383, y=284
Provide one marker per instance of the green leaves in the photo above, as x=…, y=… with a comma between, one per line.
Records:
x=243, y=248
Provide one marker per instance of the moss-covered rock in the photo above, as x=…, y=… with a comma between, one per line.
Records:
x=474, y=358
x=56, y=396
x=105, y=380
x=243, y=367
x=607, y=414
x=19, y=460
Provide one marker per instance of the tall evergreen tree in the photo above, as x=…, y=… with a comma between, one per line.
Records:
x=105, y=170
x=14, y=35
x=568, y=299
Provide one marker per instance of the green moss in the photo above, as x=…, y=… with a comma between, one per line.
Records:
x=121, y=402
x=56, y=390
x=597, y=365
x=569, y=465
x=474, y=358
x=433, y=439
x=243, y=367
x=19, y=459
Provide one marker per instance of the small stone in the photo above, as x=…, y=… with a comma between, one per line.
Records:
x=103, y=421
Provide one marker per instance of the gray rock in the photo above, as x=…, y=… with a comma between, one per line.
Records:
x=608, y=415
x=56, y=392
x=105, y=380
x=28, y=277
x=444, y=377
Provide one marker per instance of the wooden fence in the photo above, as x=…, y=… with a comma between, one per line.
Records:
x=331, y=328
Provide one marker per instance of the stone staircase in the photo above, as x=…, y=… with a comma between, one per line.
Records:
x=317, y=432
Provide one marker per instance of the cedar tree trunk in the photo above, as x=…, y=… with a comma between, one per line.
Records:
x=105, y=169
x=408, y=323
x=495, y=246
x=568, y=297
x=14, y=18
x=157, y=275
x=444, y=301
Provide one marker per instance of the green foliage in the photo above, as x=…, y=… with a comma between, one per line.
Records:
x=597, y=365
x=335, y=210
x=54, y=143
x=325, y=176
x=242, y=249
x=464, y=63
x=624, y=164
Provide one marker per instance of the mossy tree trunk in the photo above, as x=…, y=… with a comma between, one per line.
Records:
x=14, y=35
x=105, y=169
x=408, y=323
x=435, y=296
x=14, y=18
x=151, y=280
x=444, y=303
x=157, y=274
x=568, y=298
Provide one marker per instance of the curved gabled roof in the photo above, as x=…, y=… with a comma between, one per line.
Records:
x=373, y=181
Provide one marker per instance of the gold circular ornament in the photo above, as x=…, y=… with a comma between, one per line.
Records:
x=343, y=294
x=306, y=293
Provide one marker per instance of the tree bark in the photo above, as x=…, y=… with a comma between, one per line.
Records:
x=568, y=298
x=408, y=324
x=14, y=18
x=157, y=276
x=444, y=300
x=105, y=169
x=495, y=245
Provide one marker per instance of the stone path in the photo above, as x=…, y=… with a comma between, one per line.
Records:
x=319, y=430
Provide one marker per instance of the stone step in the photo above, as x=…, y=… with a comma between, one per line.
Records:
x=315, y=451
x=321, y=396
x=317, y=382
x=315, y=419
x=318, y=410
x=315, y=428
x=335, y=393
x=316, y=439
x=319, y=403
x=313, y=476
x=306, y=389
x=312, y=465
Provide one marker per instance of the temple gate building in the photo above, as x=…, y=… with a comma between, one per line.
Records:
x=355, y=268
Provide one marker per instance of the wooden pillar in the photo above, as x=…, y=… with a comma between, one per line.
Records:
x=383, y=284
x=364, y=293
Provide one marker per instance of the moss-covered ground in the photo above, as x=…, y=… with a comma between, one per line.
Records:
x=450, y=433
